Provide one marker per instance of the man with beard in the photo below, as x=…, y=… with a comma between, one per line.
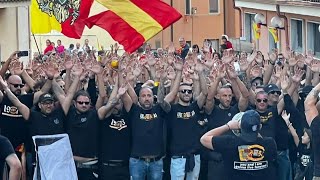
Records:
x=183, y=125
x=147, y=120
x=114, y=138
x=221, y=114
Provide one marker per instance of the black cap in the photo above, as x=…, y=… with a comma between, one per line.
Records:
x=46, y=97
x=271, y=87
x=250, y=125
x=256, y=78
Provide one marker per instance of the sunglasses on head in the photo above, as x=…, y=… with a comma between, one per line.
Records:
x=81, y=102
x=275, y=92
x=186, y=91
x=262, y=100
x=18, y=85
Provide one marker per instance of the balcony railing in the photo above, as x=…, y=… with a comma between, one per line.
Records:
x=307, y=1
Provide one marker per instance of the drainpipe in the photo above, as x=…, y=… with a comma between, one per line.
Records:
x=224, y=18
x=171, y=27
x=286, y=30
x=240, y=16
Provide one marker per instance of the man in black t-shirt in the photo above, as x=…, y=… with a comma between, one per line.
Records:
x=313, y=119
x=221, y=114
x=182, y=122
x=147, y=120
x=7, y=155
x=248, y=156
x=114, y=138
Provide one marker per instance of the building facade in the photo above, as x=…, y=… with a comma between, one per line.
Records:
x=205, y=19
x=14, y=27
x=300, y=18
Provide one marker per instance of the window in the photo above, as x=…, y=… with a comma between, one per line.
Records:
x=189, y=42
x=213, y=6
x=158, y=44
x=314, y=38
x=188, y=7
x=248, y=20
x=215, y=43
x=297, y=35
x=272, y=44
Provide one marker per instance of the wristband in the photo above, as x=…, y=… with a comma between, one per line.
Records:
x=228, y=126
x=289, y=125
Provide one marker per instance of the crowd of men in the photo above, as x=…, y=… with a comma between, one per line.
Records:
x=176, y=113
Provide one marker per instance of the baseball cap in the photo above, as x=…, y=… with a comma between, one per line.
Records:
x=250, y=126
x=46, y=97
x=271, y=87
x=306, y=89
x=257, y=78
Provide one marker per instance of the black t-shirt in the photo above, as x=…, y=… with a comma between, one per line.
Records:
x=12, y=124
x=220, y=117
x=6, y=149
x=304, y=155
x=114, y=141
x=41, y=124
x=183, y=129
x=315, y=128
x=82, y=129
x=244, y=160
x=147, y=131
x=268, y=120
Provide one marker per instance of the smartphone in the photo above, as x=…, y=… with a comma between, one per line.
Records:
x=23, y=53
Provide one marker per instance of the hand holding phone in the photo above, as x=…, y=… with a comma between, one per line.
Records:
x=23, y=53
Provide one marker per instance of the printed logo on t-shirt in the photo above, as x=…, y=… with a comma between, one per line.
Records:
x=264, y=119
x=11, y=111
x=251, y=157
x=185, y=115
x=119, y=125
x=56, y=121
x=83, y=119
x=203, y=122
x=148, y=117
x=305, y=160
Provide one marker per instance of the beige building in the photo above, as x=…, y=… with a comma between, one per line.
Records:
x=300, y=20
x=205, y=19
x=14, y=28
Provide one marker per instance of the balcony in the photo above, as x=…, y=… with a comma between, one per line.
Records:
x=313, y=3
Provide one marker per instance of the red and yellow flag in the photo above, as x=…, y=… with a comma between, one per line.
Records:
x=256, y=30
x=65, y=16
x=274, y=33
x=133, y=22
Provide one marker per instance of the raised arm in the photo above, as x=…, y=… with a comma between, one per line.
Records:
x=268, y=73
x=6, y=64
x=175, y=86
x=286, y=118
x=23, y=109
x=51, y=70
x=310, y=104
x=66, y=100
x=201, y=99
x=161, y=93
x=105, y=111
x=213, y=89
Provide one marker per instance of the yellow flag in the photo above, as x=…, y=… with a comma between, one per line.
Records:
x=274, y=33
x=256, y=30
x=41, y=22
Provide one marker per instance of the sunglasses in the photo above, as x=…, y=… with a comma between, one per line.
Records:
x=186, y=91
x=81, y=102
x=275, y=92
x=262, y=100
x=18, y=85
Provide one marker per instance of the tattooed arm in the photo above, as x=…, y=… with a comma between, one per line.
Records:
x=160, y=96
x=310, y=104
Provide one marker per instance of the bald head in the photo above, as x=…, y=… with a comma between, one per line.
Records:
x=15, y=84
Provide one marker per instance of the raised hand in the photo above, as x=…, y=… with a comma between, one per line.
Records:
x=96, y=68
x=292, y=59
x=252, y=57
x=77, y=70
x=285, y=82
x=244, y=64
x=3, y=84
x=178, y=64
x=231, y=72
x=17, y=68
x=315, y=66
x=51, y=70
x=171, y=48
x=298, y=74
x=273, y=56
x=228, y=56
x=123, y=89
x=221, y=72
x=309, y=58
x=285, y=116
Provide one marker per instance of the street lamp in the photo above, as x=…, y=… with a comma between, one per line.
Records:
x=260, y=19
x=276, y=22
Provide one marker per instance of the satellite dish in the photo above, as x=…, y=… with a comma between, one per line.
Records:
x=238, y=118
x=260, y=19
x=277, y=22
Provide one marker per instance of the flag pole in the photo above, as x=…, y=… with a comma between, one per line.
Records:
x=36, y=43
